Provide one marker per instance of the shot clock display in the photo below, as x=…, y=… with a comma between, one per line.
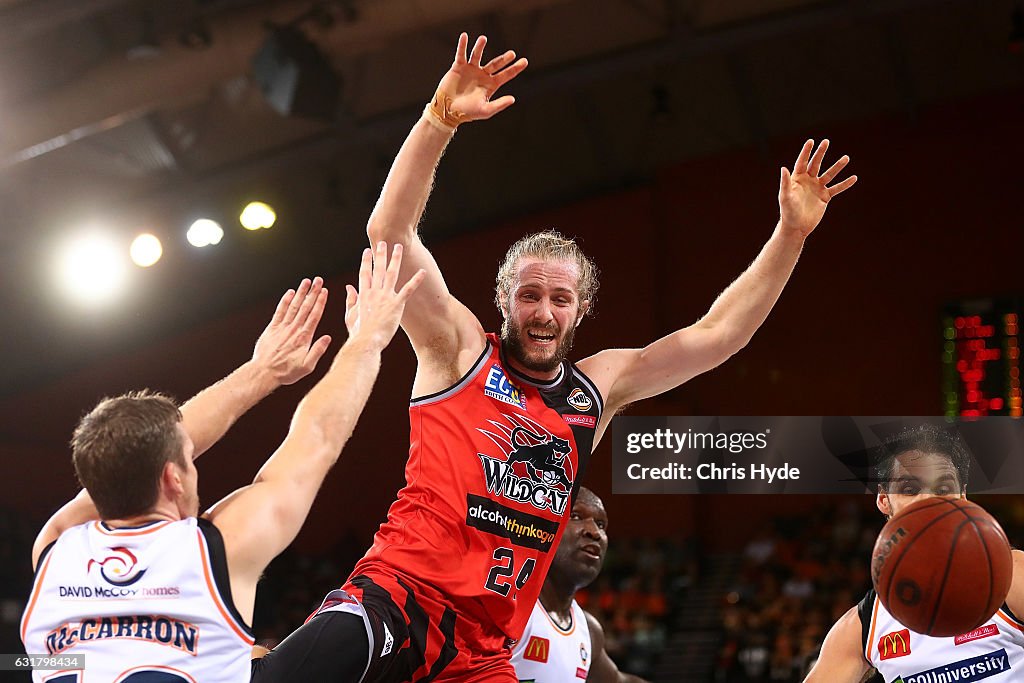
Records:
x=981, y=358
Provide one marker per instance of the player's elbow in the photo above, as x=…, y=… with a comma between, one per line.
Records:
x=381, y=229
x=728, y=341
x=322, y=446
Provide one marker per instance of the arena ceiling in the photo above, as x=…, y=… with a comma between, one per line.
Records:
x=144, y=114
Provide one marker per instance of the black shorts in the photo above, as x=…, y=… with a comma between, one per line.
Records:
x=387, y=630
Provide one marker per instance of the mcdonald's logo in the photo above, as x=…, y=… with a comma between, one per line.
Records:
x=896, y=644
x=537, y=649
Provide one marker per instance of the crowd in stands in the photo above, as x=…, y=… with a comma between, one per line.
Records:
x=636, y=597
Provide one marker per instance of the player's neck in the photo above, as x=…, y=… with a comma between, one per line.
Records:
x=556, y=599
x=533, y=374
x=155, y=515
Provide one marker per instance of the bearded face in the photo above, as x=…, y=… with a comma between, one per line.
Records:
x=541, y=314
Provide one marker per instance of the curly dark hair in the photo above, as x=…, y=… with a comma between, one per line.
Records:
x=927, y=438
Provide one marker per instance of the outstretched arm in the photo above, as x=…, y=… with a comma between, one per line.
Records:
x=284, y=354
x=603, y=669
x=627, y=375
x=260, y=520
x=842, y=657
x=434, y=320
x=78, y=510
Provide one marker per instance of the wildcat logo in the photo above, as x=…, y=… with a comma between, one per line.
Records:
x=537, y=468
x=499, y=387
x=579, y=400
x=120, y=568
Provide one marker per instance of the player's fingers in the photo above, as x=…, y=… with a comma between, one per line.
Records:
x=316, y=312
x=409, y=287
x=801, y=161
x=503, y=77
x=842, y=187
x=394, y=267
x=282, y=307
x=460, y=49
x=784, y=180
x=380, y=264
x=500, y=62
x=478, y=50
x=351, y=299
x=498, y=105
x=296, y=302
x=365, y=270
x=834, y=170
x=819, y=154
x=317, y=351
x=309, y=301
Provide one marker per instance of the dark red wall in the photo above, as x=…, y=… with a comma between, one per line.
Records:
x=936, y=216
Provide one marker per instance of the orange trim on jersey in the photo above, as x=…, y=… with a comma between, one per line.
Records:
x=152, y=667
x=35, y=594
x=63, y=672
x=208, y=575
x=1010, y=620
x=129, y=532
x=871, y=637
x=572, y=617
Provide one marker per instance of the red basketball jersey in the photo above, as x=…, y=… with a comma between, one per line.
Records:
x=494, y=463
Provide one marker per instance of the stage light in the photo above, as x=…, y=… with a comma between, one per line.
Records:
x=204, y=232
x=146, y=250
x=257, y=215
x=91, y=268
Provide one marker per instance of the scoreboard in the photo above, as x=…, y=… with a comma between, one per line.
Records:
x=981, y=358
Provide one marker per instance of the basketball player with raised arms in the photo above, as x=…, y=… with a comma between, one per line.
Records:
x=502, y=425
x=128, y=574
x=562, y=642
x=918, y=463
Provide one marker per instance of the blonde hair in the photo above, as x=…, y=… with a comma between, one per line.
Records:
x=549, y=245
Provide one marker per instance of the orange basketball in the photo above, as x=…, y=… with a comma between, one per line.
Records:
x=942, y=567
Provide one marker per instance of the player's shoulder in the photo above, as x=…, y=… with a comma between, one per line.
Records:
x=596, y=630
x=1018, y=567
x=866, y=605
x=861, y=615
x=444, y=366
x=1015, y=598
x=603, y=368
x=607, y=363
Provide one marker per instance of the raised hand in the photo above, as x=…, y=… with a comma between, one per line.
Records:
x=465, y=92
x=375, y=310
x=286, y=347
x=803, y=195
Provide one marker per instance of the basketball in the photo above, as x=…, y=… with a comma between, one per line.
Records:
x=942, y=566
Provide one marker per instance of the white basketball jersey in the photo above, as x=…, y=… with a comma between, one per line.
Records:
x=137, y=601
x=549, y=654
x=992, y=652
